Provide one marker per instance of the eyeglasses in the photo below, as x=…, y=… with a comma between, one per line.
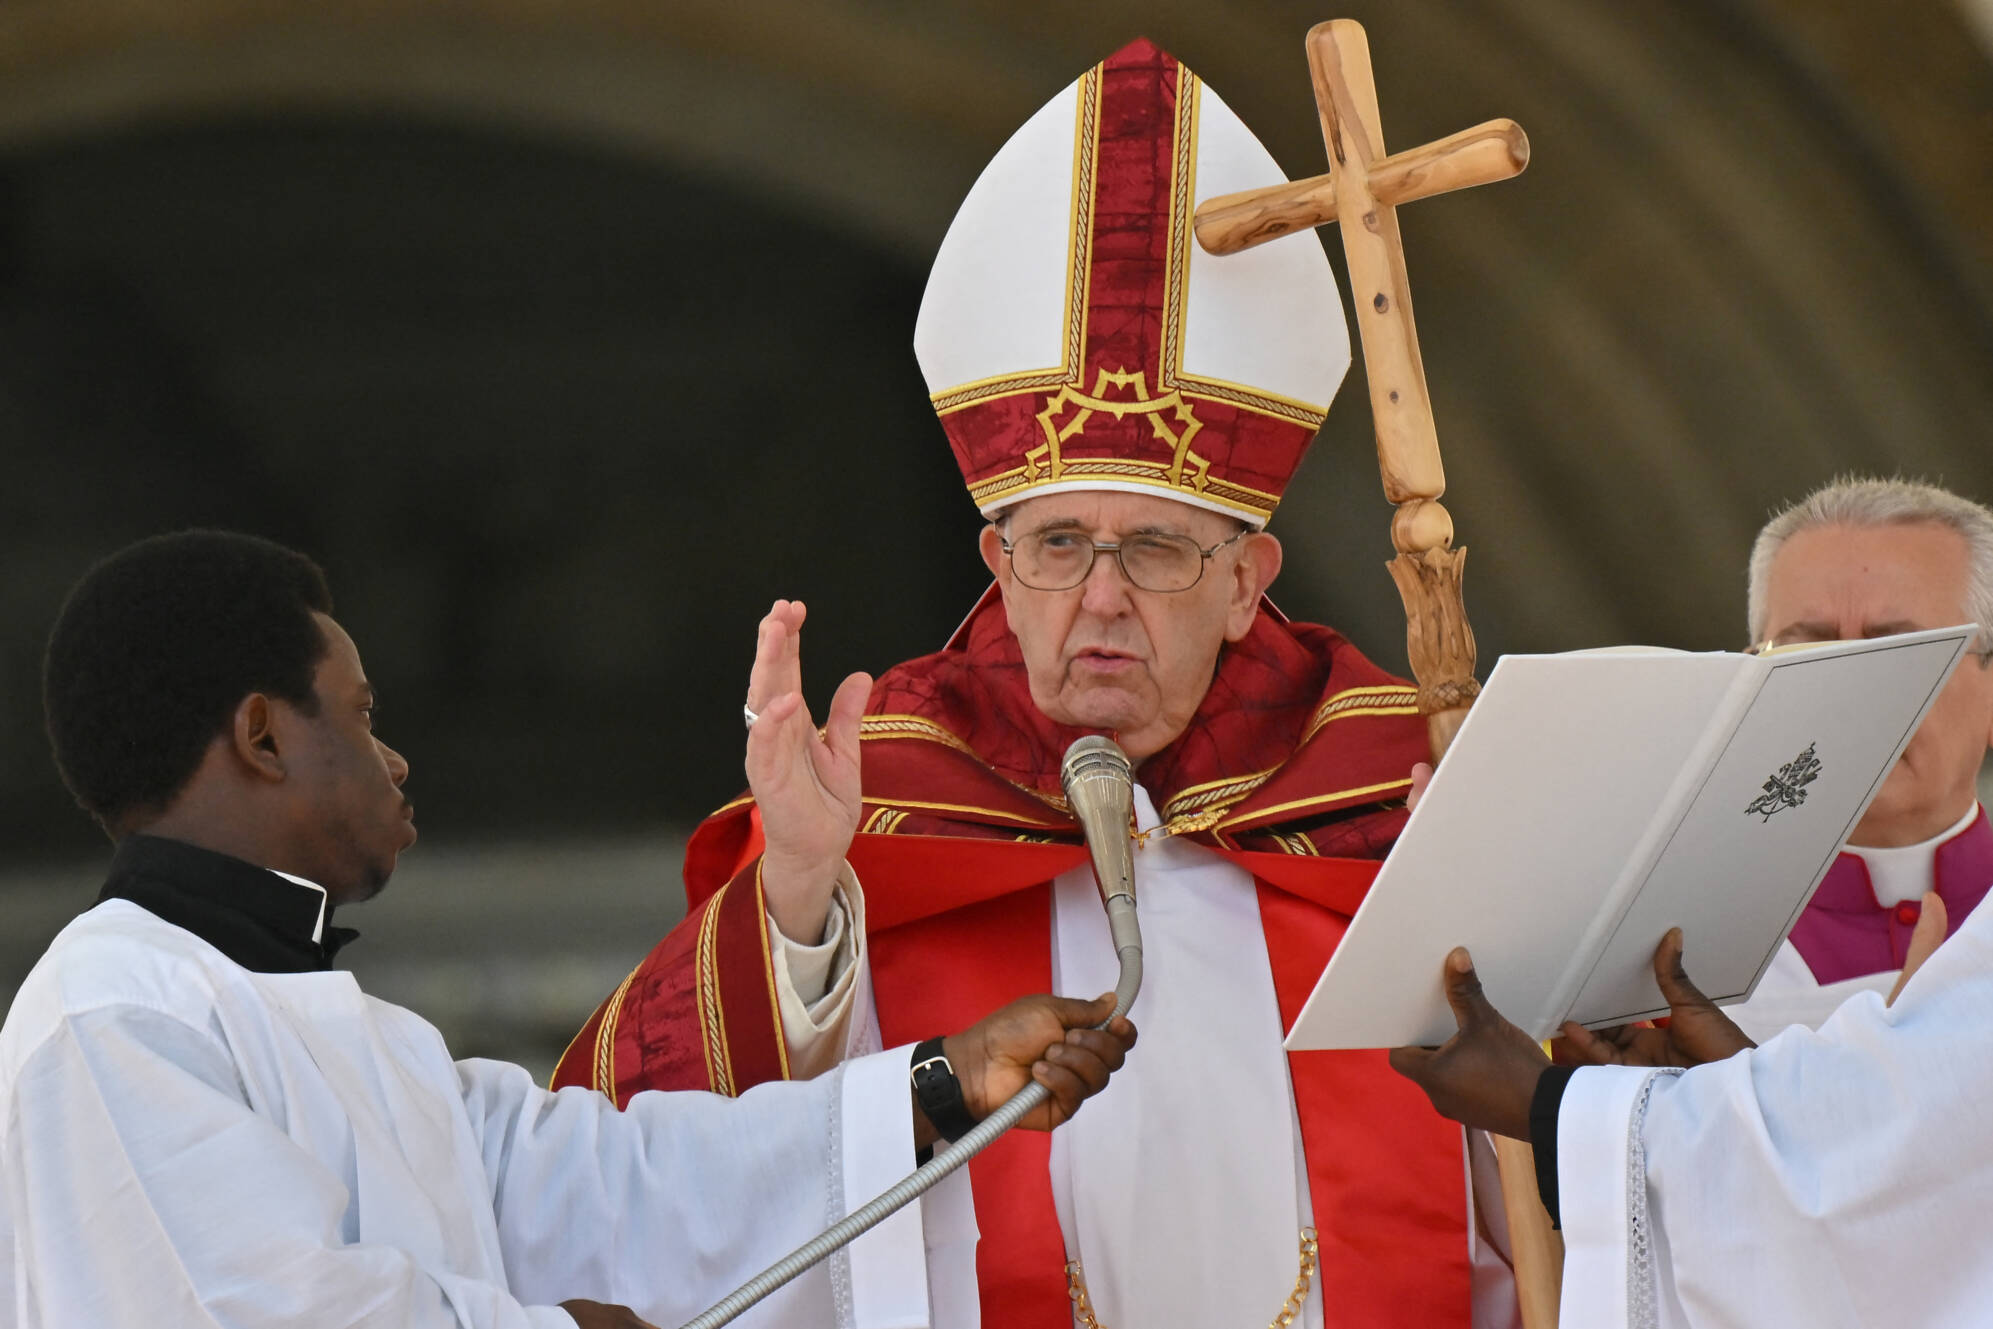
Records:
x=1773, y=646
x=1061, y=560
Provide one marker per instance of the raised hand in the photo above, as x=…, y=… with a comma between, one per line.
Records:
x=1698, y=1030
x=805, y=783
x=1048, y=1039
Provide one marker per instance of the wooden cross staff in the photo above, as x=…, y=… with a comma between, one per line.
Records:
x=1363, y=190
x=1367, y=185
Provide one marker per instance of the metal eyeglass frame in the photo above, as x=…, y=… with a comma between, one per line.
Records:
x=1983, y=654
x=1098, y=549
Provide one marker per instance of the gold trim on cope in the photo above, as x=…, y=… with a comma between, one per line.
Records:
x=919, y=727
x=604, y=1069
x=712, y=1016
x=1350, y=704
x=1320, y=800
x=921, y=806
x=768, y=973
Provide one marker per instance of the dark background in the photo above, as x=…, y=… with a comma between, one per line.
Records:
x=568, y=336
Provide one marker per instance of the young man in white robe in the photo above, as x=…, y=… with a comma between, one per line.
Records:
x=206, y=1124
x=1860, y=558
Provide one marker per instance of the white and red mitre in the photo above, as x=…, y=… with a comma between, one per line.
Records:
x=1074, y=335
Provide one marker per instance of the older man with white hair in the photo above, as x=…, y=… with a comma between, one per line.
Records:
x=1126, y=410
x=1862, y=558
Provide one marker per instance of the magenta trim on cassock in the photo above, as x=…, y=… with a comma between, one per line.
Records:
x=1845, y=932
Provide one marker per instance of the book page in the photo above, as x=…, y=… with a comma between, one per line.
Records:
x=1765, y=826
x=1634, y=650
x=1555, y=775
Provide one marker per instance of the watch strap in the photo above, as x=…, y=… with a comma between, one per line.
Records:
x=938, y=1092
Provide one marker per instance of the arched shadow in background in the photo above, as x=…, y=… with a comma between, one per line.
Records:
x=559, y=424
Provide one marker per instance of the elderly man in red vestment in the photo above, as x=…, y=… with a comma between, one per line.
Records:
x=1126, y=410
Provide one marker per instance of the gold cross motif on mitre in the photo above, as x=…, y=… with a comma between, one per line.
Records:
x=1047, y=459
x=1362, y=191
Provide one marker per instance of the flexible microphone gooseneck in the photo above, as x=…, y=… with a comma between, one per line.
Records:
x=1099, y=783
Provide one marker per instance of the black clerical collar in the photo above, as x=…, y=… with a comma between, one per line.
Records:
x=260, y=919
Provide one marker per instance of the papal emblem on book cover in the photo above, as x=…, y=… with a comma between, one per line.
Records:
x=1787, y=789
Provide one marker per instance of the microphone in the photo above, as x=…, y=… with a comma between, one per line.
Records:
x=1099, y=782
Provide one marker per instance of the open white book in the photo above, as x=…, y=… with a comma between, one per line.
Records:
x=1594, y=800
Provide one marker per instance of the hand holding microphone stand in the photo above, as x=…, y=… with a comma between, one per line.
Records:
x=1100, y=787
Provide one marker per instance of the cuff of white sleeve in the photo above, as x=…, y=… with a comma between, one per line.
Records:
x=813, y=983
x=811, y=969
x=818, y=1031
x=1593, y=1125
x=889, y=1263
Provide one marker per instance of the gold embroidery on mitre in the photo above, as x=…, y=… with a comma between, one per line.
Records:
x=1079, y=263
x=1183, y=184
x=1171, y=412
x=1011, y=485
x=1045, y=464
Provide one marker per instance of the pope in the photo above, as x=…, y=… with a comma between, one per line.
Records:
x=1126, y=411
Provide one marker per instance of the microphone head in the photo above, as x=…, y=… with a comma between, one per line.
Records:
x=1094, y=757
x=1100, y=786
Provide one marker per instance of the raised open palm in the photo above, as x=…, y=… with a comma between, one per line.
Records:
x=805, y=783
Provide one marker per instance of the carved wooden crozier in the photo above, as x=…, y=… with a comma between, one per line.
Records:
x=1362, y=191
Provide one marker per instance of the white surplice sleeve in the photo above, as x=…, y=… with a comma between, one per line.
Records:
x=1830, y=1180
x=672, y=1203
x=818, y=989
x=143, y=1190
x=824, y=994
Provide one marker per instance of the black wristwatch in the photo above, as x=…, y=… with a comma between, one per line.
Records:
x=939, y=1093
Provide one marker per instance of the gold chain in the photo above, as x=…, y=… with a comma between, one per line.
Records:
x=1188, y=824
x=1289, y=1312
